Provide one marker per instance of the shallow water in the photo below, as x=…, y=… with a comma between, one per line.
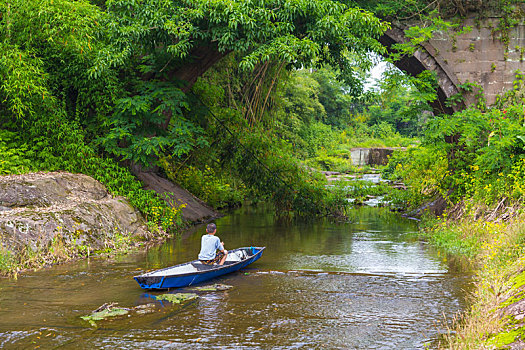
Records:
x=363, y=285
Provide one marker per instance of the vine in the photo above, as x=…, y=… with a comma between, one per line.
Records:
x=468, y=88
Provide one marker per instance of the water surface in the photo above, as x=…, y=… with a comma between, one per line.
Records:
x=362, y=285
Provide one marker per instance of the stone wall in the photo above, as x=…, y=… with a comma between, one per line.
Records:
x=478, y=56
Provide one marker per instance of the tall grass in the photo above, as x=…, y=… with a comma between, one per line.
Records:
x=497, y=249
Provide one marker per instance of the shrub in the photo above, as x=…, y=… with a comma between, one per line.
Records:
x=13, y=154
x=422, y=169
x=204, y=183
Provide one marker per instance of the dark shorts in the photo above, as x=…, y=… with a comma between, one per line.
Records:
x=215, y=260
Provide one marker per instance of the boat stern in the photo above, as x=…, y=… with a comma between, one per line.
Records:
x=149, y=282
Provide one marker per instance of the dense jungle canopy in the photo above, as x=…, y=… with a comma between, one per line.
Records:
x=245, y=95
x=87, y=82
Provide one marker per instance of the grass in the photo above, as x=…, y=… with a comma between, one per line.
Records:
x=6, y=260
x=497, y=249
x=59, y=250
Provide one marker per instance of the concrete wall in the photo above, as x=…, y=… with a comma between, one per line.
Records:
x=359, y=156
x=371, y=156
x=480, y=56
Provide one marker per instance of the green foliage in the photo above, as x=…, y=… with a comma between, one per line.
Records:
x=315, y=113
x=82, y=83
x=409, y=9
x=138, y=123
x=418, y=35
x=64, y=149
x=317, y=137
x=276, y=175
x=333, y=161
x=104, y=314
x=476, y=153
x=7, y=260
x=486, y=148
x=469, y=88
x=13, y=159
x=300, y=99
x=422, y=169
x=296, y=32
x=399, y=100
x=335, y=94
x=177, y=298
x=515, y=96
x=451, y=239
x=47, y=136
x=359, y=189
x=215, y=189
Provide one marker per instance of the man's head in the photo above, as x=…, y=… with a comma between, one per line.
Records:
x=211, y=228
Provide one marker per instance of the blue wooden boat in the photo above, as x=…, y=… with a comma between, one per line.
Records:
x=193, y=272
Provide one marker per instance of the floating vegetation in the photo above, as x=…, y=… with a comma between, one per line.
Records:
x=104, y=312
x=217, y=287
x=110, y=310
x=177, y=298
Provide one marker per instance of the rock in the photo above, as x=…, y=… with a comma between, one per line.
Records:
x=104, y=312
x=46, y=189
x=213, y=288
x=145, y=309
x=74, y=208
x=109, y=310
x=194, y=211
x=330, y=173
x=177, y=298
x=436, y=206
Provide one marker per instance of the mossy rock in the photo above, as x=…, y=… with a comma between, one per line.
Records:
x=177, y=298
x=104, y=314
x=217, y=287
x=145, y=309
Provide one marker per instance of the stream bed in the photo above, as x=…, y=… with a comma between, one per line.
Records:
x=368, y=284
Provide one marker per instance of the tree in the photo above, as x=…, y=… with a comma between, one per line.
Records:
x=182, y=39
x=177, y=41
x=116, y=72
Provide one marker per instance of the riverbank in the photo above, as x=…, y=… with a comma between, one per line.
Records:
x=373, y=286
x=51, y=218
x=493, y=240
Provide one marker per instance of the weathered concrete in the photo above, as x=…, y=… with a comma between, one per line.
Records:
x=371, y=156
x=359, y=156
x=478, y=56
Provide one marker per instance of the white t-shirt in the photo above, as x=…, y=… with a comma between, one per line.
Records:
x=209, y=246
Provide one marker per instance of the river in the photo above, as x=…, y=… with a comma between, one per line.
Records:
x=368, y=284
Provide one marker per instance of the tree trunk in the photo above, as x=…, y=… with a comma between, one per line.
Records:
x=201, y=59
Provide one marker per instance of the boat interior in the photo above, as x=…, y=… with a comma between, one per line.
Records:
x=234, y=256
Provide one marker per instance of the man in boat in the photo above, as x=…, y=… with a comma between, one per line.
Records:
x=209, y=246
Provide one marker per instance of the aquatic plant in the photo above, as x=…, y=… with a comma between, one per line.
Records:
x=177, y=298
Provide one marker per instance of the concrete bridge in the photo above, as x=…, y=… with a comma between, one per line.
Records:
x=479, y=56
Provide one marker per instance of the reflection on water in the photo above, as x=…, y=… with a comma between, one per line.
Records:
x=364, y=285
